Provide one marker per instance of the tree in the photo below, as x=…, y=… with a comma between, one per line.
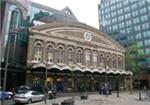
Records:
x=134, y=60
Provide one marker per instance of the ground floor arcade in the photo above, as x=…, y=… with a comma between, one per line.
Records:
x=76, y=81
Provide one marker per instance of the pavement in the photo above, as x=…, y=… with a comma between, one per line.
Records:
x=125, y=98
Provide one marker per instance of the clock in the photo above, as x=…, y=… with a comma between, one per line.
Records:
x=87, y=36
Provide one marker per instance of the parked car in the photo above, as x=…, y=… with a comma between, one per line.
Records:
x=5, y=95
x=28, y=96
x=24, y=88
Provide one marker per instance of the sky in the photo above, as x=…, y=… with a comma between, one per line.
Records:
x=86, y=11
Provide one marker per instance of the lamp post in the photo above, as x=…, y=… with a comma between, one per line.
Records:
x=46, y=73
x=118, y=82
x=106, y=85
x=15, y=31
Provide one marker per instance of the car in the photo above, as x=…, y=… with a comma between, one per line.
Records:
x=24, y=87
x=5, y=95
x=28, y=96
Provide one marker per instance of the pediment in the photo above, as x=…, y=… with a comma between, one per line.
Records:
x=77, y=32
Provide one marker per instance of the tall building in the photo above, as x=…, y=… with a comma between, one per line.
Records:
x=127, y=21
x=14, y=40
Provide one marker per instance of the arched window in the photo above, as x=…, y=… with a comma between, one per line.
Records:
x=87, y=58
x=102, y=60
x=108, y=61
x=60, y=55
x=95, y=59
x=15, y=19
x=70, y=56
x=114, y=64
x=50, y=53
x=79, y=56
x=37, y=56
x=119, y=62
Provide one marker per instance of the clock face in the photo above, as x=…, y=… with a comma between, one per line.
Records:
x=87, y=36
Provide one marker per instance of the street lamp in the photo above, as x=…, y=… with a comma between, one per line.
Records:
x=12, y=32
x=46, y=73
x=118, y=82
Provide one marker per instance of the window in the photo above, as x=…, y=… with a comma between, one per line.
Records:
x=114, y=61
x=15, y=18
x=50, y=54
x=137, y=28
x=79, y=56
x=147, y=51
x=146, y=34
x=120, y=18
x=127, y=9
x=136, y=20
x=128, y=23
x=140, y=44
x=120, y=11
x=114, y=20
x=102, y=60
x=145, y=26
x=115, y=27
x=60, y=55
x=119, y=62
x=87, y=58
x=127, y=16
x=141, y=3
x=147, y=42
x=126, y=2
x=143, y=10
x=121, y=25
x=144, y=18
x=129, y=30
x=135, y=13
x=138, y=36
x=37, y=55
x=70, y=56
x=134, y=6
x=95, y=59
x=149, y=7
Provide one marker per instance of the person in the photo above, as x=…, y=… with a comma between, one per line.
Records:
x=46, y=94
x=13, y=91
x=147, y=95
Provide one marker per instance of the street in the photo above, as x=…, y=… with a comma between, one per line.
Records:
x=95, y=99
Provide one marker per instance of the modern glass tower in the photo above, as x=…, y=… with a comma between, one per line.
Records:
x=14, y=39
x=127, y=21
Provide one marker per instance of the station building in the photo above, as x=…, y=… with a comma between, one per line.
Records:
x=68, y=55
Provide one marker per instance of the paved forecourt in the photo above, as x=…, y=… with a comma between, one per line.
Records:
x=96, y=99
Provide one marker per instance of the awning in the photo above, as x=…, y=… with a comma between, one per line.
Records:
x=87, y=70
x=96, y=70
x=54, y=66
x=76, y=68
x=40, y=64
x=110, y=71
x=117, y=72
x=102, y=71
x=66, y=67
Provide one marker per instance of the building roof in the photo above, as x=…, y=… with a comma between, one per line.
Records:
x=57, y=15
x=77, y=29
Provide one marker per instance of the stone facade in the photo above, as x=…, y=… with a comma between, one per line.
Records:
x=73, y=47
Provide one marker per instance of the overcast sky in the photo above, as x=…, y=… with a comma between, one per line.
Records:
x=86, y=11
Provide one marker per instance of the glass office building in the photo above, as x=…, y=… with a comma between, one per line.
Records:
x=127, y=21
x=14, y=40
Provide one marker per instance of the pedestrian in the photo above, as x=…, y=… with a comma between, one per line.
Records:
x=13, y=91
x=46, y=94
